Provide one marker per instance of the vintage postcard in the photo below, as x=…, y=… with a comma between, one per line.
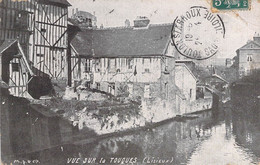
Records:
x=130, y=82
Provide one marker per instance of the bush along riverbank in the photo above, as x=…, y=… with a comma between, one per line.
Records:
x=111, y=118
x=112, y=114
x=106, y=116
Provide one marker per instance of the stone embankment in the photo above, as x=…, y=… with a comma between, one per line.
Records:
x=104, y=114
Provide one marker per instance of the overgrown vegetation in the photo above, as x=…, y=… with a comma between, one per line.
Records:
x=68, y=105
x=253, y=78
x=123, y=90
x=101, y=110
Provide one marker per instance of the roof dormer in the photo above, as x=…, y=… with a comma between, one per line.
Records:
x=257, y=38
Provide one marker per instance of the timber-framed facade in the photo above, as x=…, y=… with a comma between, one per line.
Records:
x=41, y=29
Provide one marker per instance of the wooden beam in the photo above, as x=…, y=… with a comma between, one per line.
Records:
x=60, y=38
x=74, y=66
x=79, y=68
x=45, y=13
x=44, y=49
x=59, y=18
x=46, y=23
x=42, y=35
x=17, y=86
x=20, y=71
x=53, y=47
x=34, y=35
x=48, y=70
x=69, y=65
x=60, y=71
x=42, y=41
x=10, y=78
x=25, y=60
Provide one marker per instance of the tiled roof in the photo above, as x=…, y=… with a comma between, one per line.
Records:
x=250, y=42
x=85, y=14
x=189, y=70
x=190, y=64
x=6, y=44
x=118, y=42
x=62, y=2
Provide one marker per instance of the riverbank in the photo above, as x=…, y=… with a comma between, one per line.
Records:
x=247, y=90
x=182, y=140
x=116, y=115
x=90, y=119
x=111, y=145
x=45, y=127
x=34, y=114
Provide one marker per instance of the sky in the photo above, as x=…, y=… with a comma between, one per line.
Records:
x=240, y=25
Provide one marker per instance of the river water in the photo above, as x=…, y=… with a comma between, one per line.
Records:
x=222, y=136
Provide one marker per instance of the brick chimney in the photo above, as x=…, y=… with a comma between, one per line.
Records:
x=141, y=21
x=77, y=10
x=127, y=23
x=73, y=13
x=257, y=38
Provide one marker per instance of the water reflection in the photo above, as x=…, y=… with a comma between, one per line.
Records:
x=216, y=137
x=25, y=130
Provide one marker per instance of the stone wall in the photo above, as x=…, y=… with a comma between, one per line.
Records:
x=185, y=106
x=156, y=110
x=185, y=81
x=245, y=66
x=150, y=111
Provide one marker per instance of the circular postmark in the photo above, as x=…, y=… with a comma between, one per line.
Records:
x=197, y=33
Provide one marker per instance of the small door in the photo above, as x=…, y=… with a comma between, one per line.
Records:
x=147, y=91
x=130, y=90
x=111, y=88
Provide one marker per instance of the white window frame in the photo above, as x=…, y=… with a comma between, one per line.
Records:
x=110, y=66
x=130, y=63
x=249, y=58
x=147, y=65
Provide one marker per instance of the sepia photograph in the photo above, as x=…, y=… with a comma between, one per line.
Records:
x=130, y=82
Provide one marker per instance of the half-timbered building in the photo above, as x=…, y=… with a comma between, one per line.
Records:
x=50, y=39
x=39, y=31
x=136, y=60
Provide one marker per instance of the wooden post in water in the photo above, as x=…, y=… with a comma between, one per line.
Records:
x=69, y=64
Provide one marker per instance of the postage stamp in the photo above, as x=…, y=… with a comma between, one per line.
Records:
x=197, y=32
x=231, y=4
x=137, y=82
